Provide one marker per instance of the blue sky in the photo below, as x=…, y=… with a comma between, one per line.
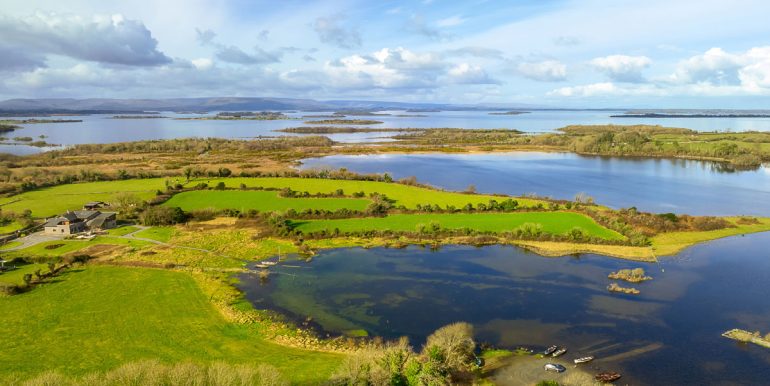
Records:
x=678, y=54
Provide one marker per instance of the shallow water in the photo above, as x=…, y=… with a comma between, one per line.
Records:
x=657, y=185
x=669, y=334
x=101, y=128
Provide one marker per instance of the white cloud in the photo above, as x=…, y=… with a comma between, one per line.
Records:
x=202, y=63
x=451, y=21
x=103, y=39
x=330, y=31
x=546, y=71
x=622, y=68
x=714, y=66
x=465, y=73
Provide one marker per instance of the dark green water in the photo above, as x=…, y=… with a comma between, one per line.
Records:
x=669, y=334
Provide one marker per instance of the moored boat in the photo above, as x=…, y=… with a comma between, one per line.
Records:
x=607, y=376
x=549, y=350
x=559, y=352
x=554, y=367
x=583, y=360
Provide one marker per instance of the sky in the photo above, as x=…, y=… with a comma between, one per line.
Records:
x=560, y=53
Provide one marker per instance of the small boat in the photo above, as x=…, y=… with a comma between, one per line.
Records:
x=559, y=352
x=555, y=367
x=262, y=265
x=583, y=360
x=549, y=350
x=607, y=376
x=269, y=262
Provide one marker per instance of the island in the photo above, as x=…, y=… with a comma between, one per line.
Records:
x=241, y=115
x=748, y=337
x=512, y=112
x=344, y=122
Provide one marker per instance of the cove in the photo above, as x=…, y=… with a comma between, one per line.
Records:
x=669, y=334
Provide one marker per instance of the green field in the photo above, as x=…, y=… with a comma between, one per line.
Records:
x=263, y=201
x=10, y=227
x=409, y=196
x=16, y=276
x=43, y=249
x=162, y=234
x=551, y=222
x=100, y=317
x=55, y=200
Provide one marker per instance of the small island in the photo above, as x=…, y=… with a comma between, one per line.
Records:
x=748, y=337
x=508, y=112
x=138, y=117
x=344, y=122
x=342, y=129
x=636, y=275
x=614, y=287
x=242, y=116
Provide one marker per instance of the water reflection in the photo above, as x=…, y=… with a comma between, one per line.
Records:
x=656, y=185
x=669, y=334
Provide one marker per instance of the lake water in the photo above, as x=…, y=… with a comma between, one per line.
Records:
x=669, y=334
x=657, y=185
x=104, y=129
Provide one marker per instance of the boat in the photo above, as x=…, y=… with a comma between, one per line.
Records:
x=583, y=360
x=554, y=367
x=607, y=376
x=559, y=352
x=269, y=262
x=549, y=350
x=261, y=265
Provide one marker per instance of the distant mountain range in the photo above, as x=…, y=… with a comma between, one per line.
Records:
x=96, y=105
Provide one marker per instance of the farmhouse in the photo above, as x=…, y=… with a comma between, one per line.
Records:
x=78, y=221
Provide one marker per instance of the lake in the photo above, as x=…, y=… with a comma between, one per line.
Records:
x=101, y=128
x=656, y=185
x=669, y=334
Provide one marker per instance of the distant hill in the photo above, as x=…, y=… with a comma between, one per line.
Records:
x=96, y=105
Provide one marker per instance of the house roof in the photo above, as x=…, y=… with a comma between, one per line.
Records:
x=99, y=220
x=82, y=215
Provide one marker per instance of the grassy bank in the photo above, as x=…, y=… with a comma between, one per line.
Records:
x=88, y=322
x=549, y=222
x=673, y=242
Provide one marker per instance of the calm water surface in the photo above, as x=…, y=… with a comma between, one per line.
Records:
x=104, y=129
x=670, y=334
x=657, y=185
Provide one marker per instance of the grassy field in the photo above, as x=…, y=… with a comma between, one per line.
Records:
x=45, y=249
x=409, y=196
x=55, y=200
x=673, y=242
x=10, y=227
x=263, y=201
x=162, y=234
x=551, y=222
x=122, y=231
x=17, y=275
x=100, y=317
x=11, y=244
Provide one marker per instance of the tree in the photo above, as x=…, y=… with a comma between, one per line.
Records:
x=162, y=215
x=27, y=279
x=188, y=172
x=471, y=189
x=454, y=344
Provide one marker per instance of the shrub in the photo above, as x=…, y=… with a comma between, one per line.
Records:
x=162, y=215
